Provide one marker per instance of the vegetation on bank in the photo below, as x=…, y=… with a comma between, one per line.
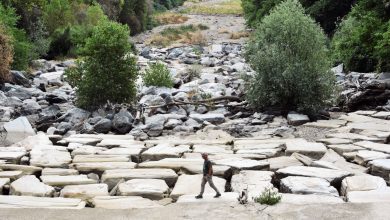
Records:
x=229, y=7
x=288, y=52
x=157, y=74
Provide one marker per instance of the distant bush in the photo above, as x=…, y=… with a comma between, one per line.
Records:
x=268, y=197
x=136, y=15
x=291, y=61
x=108, y=70
x=158, y=75
x=6, y=54
x=363, y=38
x=58, y=15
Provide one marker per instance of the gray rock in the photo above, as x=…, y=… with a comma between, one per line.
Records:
x=122, y=122
x=307, y=185
x=29, y=185
x=175, y=53
x=30, y=106
x=154, y=125
x=75, y=116
x=18, y=130
x=63, y=127
x=297, y=119
x=103, y=126
x=209, y=117
x=152, y=100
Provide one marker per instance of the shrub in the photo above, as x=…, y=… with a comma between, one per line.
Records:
x=290, y=58
x=268, y=197
x=158, y=75
x=22, y=47
x=6, y=53
x=193, y=72
x=362, y=40
x=135, y=14
x=108, y=70
x=58, y=14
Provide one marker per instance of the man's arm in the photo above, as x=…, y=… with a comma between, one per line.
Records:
x=210, y=172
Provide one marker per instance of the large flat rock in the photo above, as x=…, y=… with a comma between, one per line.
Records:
x=123, y=202
x=190, y=184
x=13, y=175
x=30, y=185
x=59, y=172
x=212, y=149
x=282, y=162
x=256, y=145
x=27, y=170
x=227, y=197
x=84, y=192
x=154, y=189
x=49, y=157
x=40, y=202
x=365, y=156
x=307, y=185
x=243, y=164
x=362, y=183
x=100, y=158
x=345, y=148
x=56, y=180
x=265, y=152
x=162, y=151
x=102, y=166
x=333, y=176
x=334, y=123
x=352, y=136
x=171, y=163
x=385, y=148
x=112, y=177
x=17, y=130
x=381, y=168
x=312, y=150
x=12, y=156
x=254, y=181
x=310, y=199
x=373, y=196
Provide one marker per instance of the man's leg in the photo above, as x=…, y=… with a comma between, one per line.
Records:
x=211, y=183
x=204, y=180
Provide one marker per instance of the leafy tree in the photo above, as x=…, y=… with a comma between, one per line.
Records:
x=362, y=40
x=290, y=58
x=135, y=14
x=108, y=70
x=58, y=14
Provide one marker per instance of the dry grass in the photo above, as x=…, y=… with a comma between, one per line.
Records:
x=189, y=34
x=223, y=31
x=229, y=7
x=238, y=35
x=170, y=18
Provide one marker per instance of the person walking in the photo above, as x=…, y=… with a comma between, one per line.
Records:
x=207, y=177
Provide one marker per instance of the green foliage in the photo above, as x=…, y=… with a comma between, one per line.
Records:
x=136, y=15
x=58, y=14
x=6, y=53
x=22, y=47
x=268, y=197
x=108, y=71
x=362, y=40
x=158, y=75
x=326, y=12
x=290, y=58
x=162, y=5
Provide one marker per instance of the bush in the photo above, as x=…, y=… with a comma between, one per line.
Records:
x=108, y=70
x=22, y=47
x=362, y=40
x=6, y=53
x=268, y=197
x=136, y=15
x=58, y=14
x=158, y=75
x=326, y=12
x=193, y=72
x=290, y=58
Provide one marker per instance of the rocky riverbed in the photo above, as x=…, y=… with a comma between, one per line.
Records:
x=147, y=155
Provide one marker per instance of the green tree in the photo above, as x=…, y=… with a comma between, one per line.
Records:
x=108, y=69
x=58, y=14
x=290, y=58
x=6, y=54
x=135, y=14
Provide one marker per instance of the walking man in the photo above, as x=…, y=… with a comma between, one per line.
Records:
x=207, y=177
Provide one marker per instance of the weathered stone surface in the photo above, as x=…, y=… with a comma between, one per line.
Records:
x=209, y=117
x=12, y=156
x=13, y=175
x=123, y=202
x=59, y=172
x=40, y=202
x=112, y=177
x=362, y=183
x=381, y=167
x=243, y=164
x=212, y=149
x=310, y=199
x=266, y=152
x=100, y=158
x=162, y=151
x=385, y=148
x=307, y=185
x=297, y=119
x=190, y=184
x=329, y=141
x=29, y=185
x=334, y=123
x=364, y=156
x=374, y=196
x=171, y=163
x=333, y=176
x=313, y=150
x=282, y=162
x=49, y=157
x=227, y=197
x=27, y=170
x=254, y=181
x=352, y=136
x=102, y=166
x=154, y=189
x=110, y=143
x=55, y=180
x=86, y=141
x=84, y=192
x=335, y=161
x=17, y=130
x=33, y=141
x=345, y=148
